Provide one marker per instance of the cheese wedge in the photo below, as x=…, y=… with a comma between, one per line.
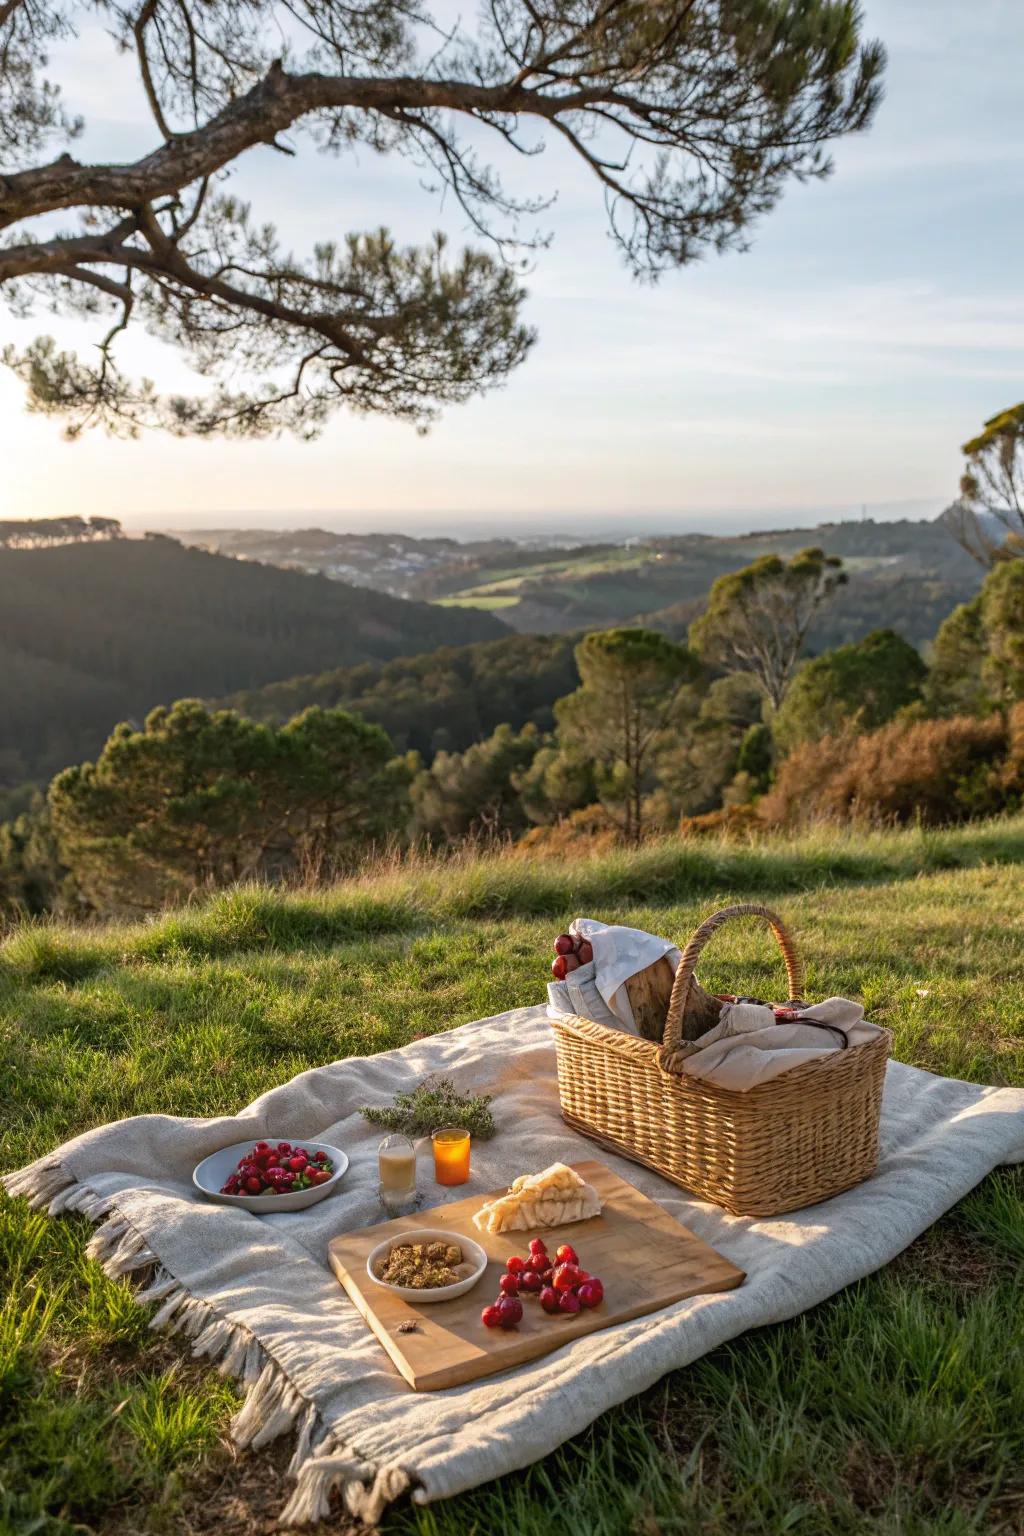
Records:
x=552, y=1198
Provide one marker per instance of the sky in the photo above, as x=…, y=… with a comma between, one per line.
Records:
x=876, y=321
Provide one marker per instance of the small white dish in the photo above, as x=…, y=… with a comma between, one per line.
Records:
x=472, y=1254
x=215, y=1170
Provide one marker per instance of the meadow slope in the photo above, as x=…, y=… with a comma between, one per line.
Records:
x=897, y=1407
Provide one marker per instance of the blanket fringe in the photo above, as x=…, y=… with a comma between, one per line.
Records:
x=365, y=1490
x=271, y=1407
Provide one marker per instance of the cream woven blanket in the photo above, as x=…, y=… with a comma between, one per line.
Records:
x=256, y=1296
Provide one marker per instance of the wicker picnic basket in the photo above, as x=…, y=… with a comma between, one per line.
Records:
x=797, y=1139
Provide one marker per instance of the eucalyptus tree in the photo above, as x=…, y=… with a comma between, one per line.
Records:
x=690, y=116
x=988, y=519
x=757, y=618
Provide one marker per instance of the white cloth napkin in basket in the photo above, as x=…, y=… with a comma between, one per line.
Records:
x=747, y=1046
x=597, y=990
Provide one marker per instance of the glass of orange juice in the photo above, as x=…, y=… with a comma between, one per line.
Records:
x=451, y=1155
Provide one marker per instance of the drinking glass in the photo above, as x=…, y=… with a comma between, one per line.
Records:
x=451, y=1155
x=396, y=1159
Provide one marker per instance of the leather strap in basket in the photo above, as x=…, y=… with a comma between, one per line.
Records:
x=668, y=1057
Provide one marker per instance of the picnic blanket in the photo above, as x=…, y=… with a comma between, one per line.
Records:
x=255, y=1294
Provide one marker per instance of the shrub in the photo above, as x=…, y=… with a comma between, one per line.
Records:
x=587, y=831
x=933, y=771
x=730, y=821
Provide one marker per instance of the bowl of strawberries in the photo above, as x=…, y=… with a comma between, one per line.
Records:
x=270, y=1174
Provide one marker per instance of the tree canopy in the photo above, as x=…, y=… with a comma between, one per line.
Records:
x=690, y=115
x=978, y=658
x=636, y=690
x=198, y=800
x=855, y=687
x=989, y=518
x=38, y=532
x=757, y=618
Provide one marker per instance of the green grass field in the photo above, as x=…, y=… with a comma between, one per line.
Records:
x=504, y=587
x=897, y=1408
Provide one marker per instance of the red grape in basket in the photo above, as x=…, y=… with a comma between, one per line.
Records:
x=564, y=944
x=570, y=962
x=558, y=967
x=585, y=953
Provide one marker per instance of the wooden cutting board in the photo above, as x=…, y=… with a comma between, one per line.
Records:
x=646, y=1259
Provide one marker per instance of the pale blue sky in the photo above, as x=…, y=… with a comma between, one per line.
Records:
x=878, y=318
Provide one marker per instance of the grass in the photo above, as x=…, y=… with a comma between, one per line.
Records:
x=488, y=600
x=896, y=1409
x=505, y=587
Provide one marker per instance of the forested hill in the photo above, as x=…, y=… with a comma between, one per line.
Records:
x=91, y=634
x=445, y=700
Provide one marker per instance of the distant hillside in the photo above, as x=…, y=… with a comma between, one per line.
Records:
x=91, y=634
x=446, y=700
x=904, y=575
x=387, y=562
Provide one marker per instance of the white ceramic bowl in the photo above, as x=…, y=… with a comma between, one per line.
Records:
x=472, y=1253
x=215, y=1170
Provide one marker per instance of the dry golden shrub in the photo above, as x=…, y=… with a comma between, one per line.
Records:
x=729, y=820
x=932, y=771
x=587, y=831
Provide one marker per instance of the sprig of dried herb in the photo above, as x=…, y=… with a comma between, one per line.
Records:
x=436, y=1102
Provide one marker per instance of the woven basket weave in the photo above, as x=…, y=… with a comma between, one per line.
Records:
x=797, y=1139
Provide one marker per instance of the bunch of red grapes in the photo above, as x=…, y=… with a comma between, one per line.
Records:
x=570, y=954
x=559, y=1284
x=280, y=1170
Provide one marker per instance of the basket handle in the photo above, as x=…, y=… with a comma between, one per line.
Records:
x=691, y=954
